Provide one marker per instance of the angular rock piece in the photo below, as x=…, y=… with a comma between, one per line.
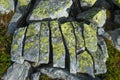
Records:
x=90, y=36
x=44, y=43
x=17, y=72
x=68, y=33
x=79, y=37
x=58, y=46
x=6, y=6
x=85, y=64
x=31, y=48
x=94, y=15
x=87, y=3
x=50, y=9
x=17, y=45
x=36, y=76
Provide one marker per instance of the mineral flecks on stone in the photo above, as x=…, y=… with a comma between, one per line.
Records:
x=58, y=45
x=17, y=46
x=31, y=47
x=50, y=9
x=94, y=15
x=17, y=72
x=69, y=35
x=6, y=6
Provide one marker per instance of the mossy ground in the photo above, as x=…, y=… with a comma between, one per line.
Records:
x=5, y=42
x=113, y=63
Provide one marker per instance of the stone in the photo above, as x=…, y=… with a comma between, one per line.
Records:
x=116, y=38
x=117, y=2
x=17, y=72
x=90, y=37
x=58, y=45
x=6, y=6
x=79, y=37
x=50, y=9
x=85, y=64
x=94, y=15
x=101, y=31
x=17, y=46
x=117, y=19
x=87, y=3
x=44, y=42
x=36, y=76
x=69, y=35
x=31, y=47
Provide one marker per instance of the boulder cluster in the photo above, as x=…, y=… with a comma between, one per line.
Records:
x=63, y=39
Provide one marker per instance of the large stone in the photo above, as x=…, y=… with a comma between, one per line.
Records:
x=50, y=9
x=31, y=47
x=90, y=37
x=44, y=43
x=85, y=63
x=6, y=6
x=69, y=35
x=117, y=2
x=17, y=45
x=87, y=3
x=94, y=15
x=58, y=45
x=17, y=72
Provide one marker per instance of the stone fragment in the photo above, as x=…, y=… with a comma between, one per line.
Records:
x=36, y=76
x=58, y=45
x=117, y=2
x=17, y=72
x=94, y=15
x=87, y=3
x=50, y=9
x=6, y=6
x=90, y=37
x=31, y=47
x=69, y=35
x=101, y=31
x=17, y=45
x=117, y=19
x=79, y=37
x=85, y=63
x=44, y=43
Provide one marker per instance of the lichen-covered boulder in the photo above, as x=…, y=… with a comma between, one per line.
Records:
x=94, y=15
x=90, y=37
x=50, y=9
x=17, y=72
x=17, y=45
x=117, y=2
x=6, y=6
x=87, y=3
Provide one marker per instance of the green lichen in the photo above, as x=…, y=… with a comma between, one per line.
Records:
x=23, y=2
x=91, y=2
x=5, y=3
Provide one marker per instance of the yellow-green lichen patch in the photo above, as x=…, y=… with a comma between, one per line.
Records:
x=5, y=3
x=117, y=2
x=17, y=45
x=31, y=47
x=44, y=43
x=50, y=9
x=90, y=35
x=68, y=33
x=100, y=18
x=90, y=2
x=23, y=2
x=58, y=46
x=78, y=33
x=85, y=63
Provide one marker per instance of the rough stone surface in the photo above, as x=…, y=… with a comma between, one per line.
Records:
x=17, y=46
x=31, y=47
x=17, y=72
x=50, y=9
x=6, y=6
x=58, y=46
x=36, y=76
x=68, y=33
x=85, y=63
x=90, y=36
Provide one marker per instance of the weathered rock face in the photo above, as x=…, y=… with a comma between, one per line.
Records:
x=6, y=6
x=55, y=43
